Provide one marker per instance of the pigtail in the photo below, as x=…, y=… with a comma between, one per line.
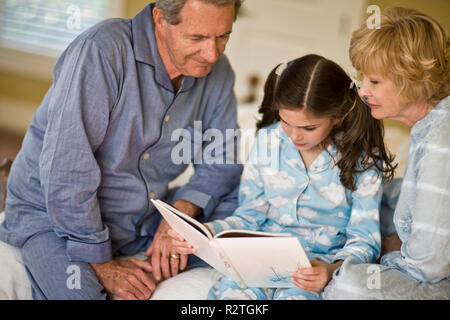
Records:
x=268, y=109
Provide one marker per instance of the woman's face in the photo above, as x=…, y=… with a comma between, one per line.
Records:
x=381, y=97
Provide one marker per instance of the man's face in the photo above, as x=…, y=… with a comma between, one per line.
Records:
x=192, y=47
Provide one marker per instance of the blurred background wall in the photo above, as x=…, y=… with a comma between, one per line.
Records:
x=266, y=33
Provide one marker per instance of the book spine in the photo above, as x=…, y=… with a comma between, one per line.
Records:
x=228, y=264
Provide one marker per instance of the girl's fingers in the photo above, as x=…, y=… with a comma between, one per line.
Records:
x=302, y=276
x=185, y=251
x=306, y=285
x=183, y=244
x=172, y=233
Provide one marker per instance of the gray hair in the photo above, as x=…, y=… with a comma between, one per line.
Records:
x=171, y=8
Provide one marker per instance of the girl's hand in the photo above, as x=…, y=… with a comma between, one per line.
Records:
x=181, y=246
x=314, y=278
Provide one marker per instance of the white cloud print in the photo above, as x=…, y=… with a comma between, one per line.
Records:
x=286, y=220
x=323, y=239
x=334, y=194
x=245, y=190
x=278, y=180
x=250, y=173
x=279, y=201
x=308, y=214
x=369, y=187
x=318, y=163
x=359, y=216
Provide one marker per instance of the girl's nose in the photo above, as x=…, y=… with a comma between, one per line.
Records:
x=296, y=135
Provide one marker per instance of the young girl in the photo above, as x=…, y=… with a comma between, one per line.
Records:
x=322, y=183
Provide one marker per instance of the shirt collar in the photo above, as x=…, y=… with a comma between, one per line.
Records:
x=146, y=50
x=420, y=129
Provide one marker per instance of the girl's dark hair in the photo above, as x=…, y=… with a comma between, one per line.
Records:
x=323, y=89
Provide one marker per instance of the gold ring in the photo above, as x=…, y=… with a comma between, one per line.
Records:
x=175, y=255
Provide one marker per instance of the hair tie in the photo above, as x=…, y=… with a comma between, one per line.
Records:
x=280, y=69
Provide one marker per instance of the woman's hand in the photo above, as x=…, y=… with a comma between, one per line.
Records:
x=314, y=278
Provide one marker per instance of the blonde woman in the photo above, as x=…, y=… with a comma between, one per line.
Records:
x=405, y=69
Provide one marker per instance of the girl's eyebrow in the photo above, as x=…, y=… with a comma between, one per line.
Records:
x=310, y=126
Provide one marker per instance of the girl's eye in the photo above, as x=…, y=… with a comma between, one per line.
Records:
x=373, y=82
x=310, y=128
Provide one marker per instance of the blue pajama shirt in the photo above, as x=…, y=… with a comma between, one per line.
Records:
x=100, y=146
x=277, y=194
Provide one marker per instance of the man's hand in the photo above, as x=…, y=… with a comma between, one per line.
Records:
x=315, y=278
x=163, y=255
x=126, y=279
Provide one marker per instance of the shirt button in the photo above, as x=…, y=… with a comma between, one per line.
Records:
x=146, y=156
x=152, y=195
x=167, y=118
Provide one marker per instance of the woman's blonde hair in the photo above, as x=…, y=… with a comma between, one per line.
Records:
x=411, y=49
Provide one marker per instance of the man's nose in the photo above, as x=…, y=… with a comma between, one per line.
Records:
x=210, y=51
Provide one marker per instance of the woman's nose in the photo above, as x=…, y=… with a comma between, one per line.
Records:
x=364, y=91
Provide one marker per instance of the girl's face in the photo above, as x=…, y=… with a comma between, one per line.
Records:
x=306, y=131
x=381, y=97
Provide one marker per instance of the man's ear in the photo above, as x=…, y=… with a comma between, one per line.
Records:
x=158, y=17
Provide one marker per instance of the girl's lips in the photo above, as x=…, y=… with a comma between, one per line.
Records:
x=300, y=145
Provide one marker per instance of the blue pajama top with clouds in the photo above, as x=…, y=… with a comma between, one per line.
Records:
x=277, y=194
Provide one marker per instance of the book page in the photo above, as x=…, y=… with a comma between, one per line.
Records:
x=265, y=262
x=194, y=237
x=197, y=225
x=235, y=233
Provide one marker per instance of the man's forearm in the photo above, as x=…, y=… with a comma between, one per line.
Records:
x=187, y=207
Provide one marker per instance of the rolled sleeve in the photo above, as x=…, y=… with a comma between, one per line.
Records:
x=90, y=252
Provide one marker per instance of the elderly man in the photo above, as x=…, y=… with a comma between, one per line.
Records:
x=99, y=148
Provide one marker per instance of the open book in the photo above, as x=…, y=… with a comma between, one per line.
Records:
x=251, y=258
